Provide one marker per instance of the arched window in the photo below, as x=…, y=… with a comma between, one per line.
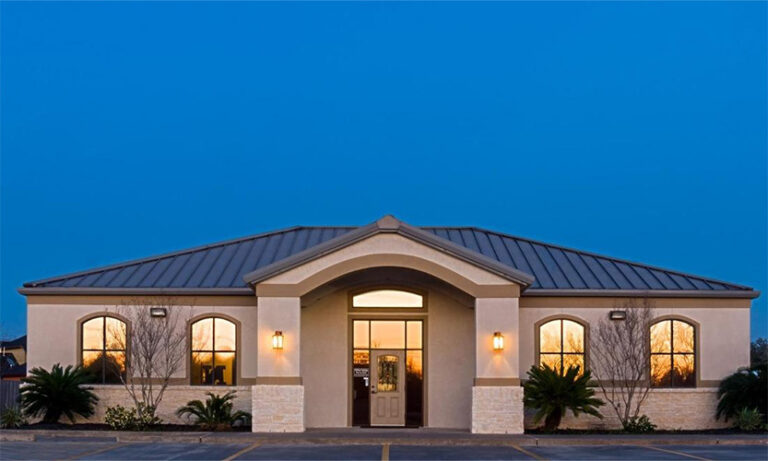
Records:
x=673, y=354
x=388, y=298
x=214, y=349
x=103, y=349
x=561, y=344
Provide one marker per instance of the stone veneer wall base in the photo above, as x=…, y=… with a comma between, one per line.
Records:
x=277, y=408
x=497, y=410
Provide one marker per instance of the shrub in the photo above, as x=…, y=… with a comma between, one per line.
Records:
x=747, y=388
x=639, y=425
x=552, y=393
x=216, y=413
x=125, y=419
x=749, y=419
x=12, y=418
x=57, y=392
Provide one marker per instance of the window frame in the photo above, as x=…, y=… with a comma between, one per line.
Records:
x=213, y=351
x=585, y=349
x=81, y=346
x=672, y=352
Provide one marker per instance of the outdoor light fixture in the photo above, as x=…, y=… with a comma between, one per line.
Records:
x=498, y=341
x=277, y=340
x=158, y=311
x=618, y=315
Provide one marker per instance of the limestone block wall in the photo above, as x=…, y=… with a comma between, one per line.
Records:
x=668, y=409
x=278, y=408
x=497, y=410
x=174, y=397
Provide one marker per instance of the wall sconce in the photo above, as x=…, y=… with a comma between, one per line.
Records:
x=158, y=312
x=498, y=341
x=618, y=315
x=277, y=340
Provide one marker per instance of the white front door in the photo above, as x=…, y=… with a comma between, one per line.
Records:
x=387, y=388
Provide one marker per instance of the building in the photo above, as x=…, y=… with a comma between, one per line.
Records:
x=444, y=321
x=13, y=359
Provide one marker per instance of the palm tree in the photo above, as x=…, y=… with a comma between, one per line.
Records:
x=552, y=393
x=747, y=388
x=58, y=392
x=216, y=413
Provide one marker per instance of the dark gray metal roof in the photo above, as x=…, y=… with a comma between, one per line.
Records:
x=219, y=268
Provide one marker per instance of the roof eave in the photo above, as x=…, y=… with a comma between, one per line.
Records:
x=743, y=294
x=80, y=291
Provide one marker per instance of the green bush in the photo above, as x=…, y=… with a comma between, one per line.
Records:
x=552, y=393
x=58, y=392
x=216, y=413
x=749, y=419
x=747, y=388
x=129, y=419
x=12, y=418
x=639, y=425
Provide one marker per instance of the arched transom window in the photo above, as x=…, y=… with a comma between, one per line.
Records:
x=388, y=298
x=561, y=344
x=673, y=354
x=103, y=349
x=214, y=349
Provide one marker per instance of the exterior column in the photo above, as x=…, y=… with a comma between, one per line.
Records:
x=278, y=396
x=497, y=397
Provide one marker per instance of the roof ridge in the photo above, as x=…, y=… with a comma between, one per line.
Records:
x=172, y=254
x=610, y=258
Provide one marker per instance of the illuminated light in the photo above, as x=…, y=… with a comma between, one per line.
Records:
x=277, y=340
x=158, y=311
x=498, y=341
x=618, y=315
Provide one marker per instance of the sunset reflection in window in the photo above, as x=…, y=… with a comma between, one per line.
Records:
x=673, y=354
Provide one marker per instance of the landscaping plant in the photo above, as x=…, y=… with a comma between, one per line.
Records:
x=552, y=393
x=749, y=419
x=12, y=418
x=58, y=392
x=128, y=419
x=747, y=388
x=216, y=413
x=639, y=425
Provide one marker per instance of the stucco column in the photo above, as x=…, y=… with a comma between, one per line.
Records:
x=497, y=398
x=278, y=396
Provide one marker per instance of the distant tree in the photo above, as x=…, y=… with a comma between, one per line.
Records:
x=621, y=358
x=758, y=352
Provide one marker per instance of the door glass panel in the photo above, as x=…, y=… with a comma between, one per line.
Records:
x=387, y=374
x=360, y=334
x=388, y=334
x=414, y=335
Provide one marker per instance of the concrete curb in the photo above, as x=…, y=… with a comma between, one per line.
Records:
x=449, y=438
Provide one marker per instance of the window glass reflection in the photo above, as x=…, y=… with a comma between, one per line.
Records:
x=414, y=335
x=360, y=334
x=387, y=334
x=673, y=358
x=214, y=349
x=103, y=349
x=388, y=298
x=561, y=345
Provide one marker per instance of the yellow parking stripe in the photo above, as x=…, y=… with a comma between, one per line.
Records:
x=244, y=450
x=385, y=452
x=674, y=452
x=95, y=452
x=527, y=452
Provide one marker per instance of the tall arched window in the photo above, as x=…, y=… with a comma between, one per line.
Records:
x=214, y=349
x=561, y=344
x=103, y=341
x=673, y=354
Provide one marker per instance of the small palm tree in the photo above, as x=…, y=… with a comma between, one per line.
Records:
x=216, y=413
x=747, y=388
x=552, y=393
x=58, y=392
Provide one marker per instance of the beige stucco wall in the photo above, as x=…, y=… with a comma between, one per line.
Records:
x=496, y=315
x=279, y=314
x=723, y=334
x=52, y=324
x=326, y=361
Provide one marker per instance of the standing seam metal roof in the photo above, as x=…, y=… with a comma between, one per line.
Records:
x=222, y=265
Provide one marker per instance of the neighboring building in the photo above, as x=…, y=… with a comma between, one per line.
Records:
x=293, y=320
x=13, y=359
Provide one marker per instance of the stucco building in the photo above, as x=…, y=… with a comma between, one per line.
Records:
x=394, y=325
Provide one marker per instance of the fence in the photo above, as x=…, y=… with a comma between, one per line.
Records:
x=9, y=394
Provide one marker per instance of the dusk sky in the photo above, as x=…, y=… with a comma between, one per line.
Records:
x=635, y=130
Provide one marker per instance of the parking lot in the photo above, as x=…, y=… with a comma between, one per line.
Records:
x=108, y=450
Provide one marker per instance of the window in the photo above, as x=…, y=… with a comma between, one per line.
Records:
x=561, y=344
x=103, y=349
x=673, y=355
x=214, y=349
x=388, y=298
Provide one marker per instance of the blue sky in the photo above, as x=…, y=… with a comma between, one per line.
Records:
x=636, y=130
